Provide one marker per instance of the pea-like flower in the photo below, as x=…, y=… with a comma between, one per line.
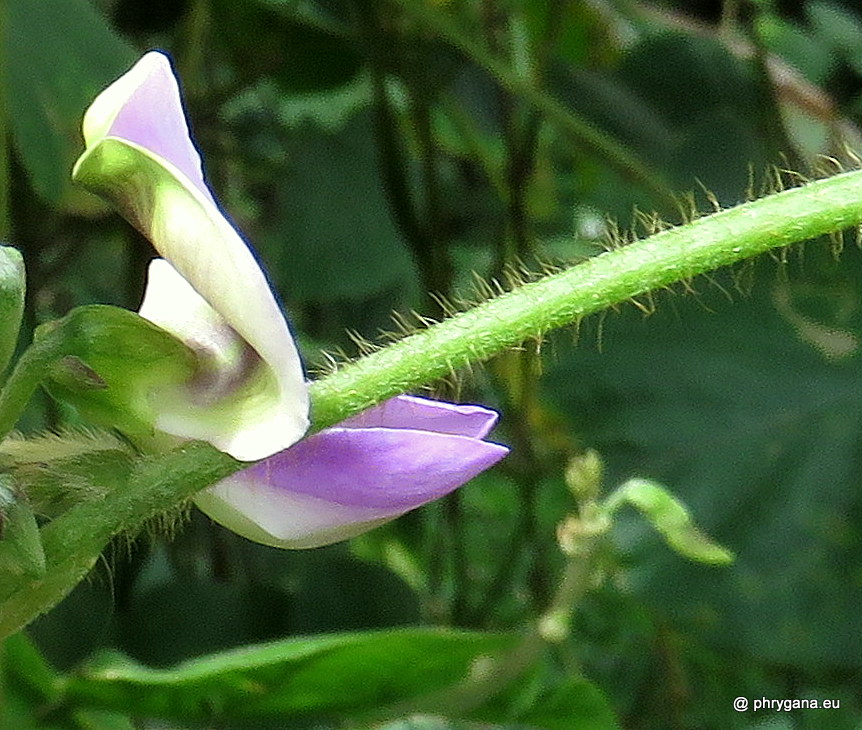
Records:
x=248, y=395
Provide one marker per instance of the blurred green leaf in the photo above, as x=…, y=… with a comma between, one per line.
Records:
x=710, y=100
x=418, y=723
x=331, y=590
x=31, y=672
x=757, y=427
x=27, y=685
x=236, y=615
x=15, y=712
x=100, y=720
x=579, y=31
x=58, y=55
x=268, y=39
x=80, y=623
x=839, y=28
x=346, y=675
x=574, y=702
x=806, y=53
x=334, y=237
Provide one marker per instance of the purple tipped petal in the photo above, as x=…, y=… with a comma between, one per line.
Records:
x=393, y=469
x=405, y=411
x=343, y=481
x=153, y=118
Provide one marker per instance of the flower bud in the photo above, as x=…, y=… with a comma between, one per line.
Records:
x=584, y=475
x=21, y=552
x=12, y=288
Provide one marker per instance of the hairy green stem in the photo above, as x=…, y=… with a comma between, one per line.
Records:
x=531, y=310
x=73, y=541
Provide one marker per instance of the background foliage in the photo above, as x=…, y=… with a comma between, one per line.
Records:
x=375, y=151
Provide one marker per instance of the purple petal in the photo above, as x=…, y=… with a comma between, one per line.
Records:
x=153, y=118
x=422, y=414
x=343, y=481
x=396, y=469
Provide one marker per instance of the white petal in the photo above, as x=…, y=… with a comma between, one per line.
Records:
x=140, y=156
x=286, y=520
x=237, y=403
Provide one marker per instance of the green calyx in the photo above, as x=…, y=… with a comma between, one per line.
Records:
x=112, y=364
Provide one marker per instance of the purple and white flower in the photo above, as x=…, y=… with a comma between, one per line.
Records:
x=249, y=397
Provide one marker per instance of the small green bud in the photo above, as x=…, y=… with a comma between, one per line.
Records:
x=12, y=287
x=576, y=533
x=584, y=475
x=21, y=553
x=669, y=516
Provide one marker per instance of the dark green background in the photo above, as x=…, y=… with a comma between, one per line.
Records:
x=371, y=157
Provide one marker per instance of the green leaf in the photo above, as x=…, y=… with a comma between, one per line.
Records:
x=670, y=517
x=330, y=198
x=31, y=672
x=574, y=702
x=15, y=712
x=839, y=28
x=346, y=675
x=115, y=359
x=808, y=54
x=706, y=99
x=27, y=685
x=52, y=77
x=101, y=720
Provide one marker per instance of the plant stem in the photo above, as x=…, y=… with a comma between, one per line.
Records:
x=531, y=310
x=73, y=541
